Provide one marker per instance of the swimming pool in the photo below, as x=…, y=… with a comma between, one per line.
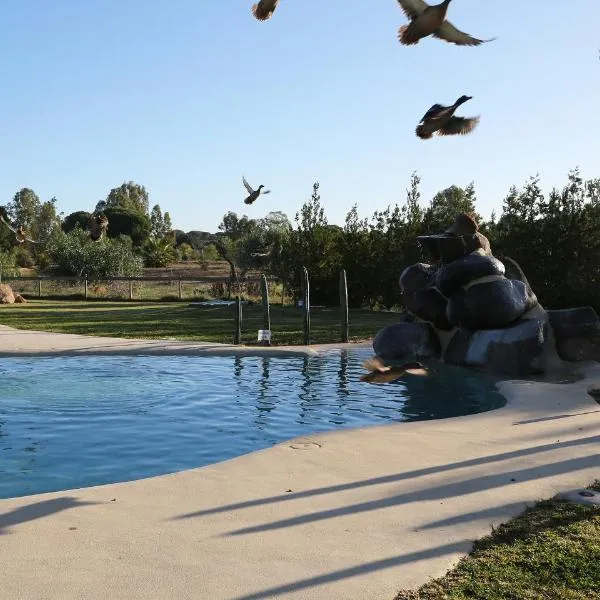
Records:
x=69, y=422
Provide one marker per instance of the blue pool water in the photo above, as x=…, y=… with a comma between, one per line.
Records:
x=68, y=422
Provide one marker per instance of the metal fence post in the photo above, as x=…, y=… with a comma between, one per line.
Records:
x=264, y=292
x=344, y=305
x=86, y=287
x=179, y=289
x=306, y=298
x=40, y=287
x=130, y=288
x=237, y=338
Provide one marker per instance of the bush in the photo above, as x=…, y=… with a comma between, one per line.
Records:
x=76, y=254
x=23, y=257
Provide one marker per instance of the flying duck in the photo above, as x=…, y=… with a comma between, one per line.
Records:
x=428, y=20
x=379, y=373
x=254, y=194
x=441, y=119
x=264, y=9
x=20, y=234
x=98, y=226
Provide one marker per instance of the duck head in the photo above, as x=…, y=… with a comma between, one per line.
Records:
x=260, y=187
x=462, y=100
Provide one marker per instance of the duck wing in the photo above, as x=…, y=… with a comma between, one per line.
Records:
x=413, y=8
x=458, y=125
x=264, y=9
x=247, y=185
x=375, y=364
x=435, y=110
x=265, y=192
x=8, y=224
x=447, y=32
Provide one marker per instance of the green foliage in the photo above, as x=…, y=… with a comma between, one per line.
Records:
x=551, y=551
x=158, y=252
x=127, y=222
x=129, y=196
x=39, y=219
x=160, y=225
x=186, y=253
x=8, y=264
x=76, y=254
x=79, y=219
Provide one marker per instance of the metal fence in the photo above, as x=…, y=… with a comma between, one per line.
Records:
x=180, y=289
x=139, y=288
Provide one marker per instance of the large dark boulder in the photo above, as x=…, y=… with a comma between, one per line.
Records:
x=415, y=278
x=490, y=305
x=521, y=349
x=420, y=298
x=451, y=277
x=446, y=247
x=577, y=333
x=513, y=269
x=409, y=341
x=430, y=305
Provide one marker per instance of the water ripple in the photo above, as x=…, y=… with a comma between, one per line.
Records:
x=70, y=422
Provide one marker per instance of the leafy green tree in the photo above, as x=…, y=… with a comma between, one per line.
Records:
x=235, y=227
x=39, y=219
x=159, y=252
x=75, y=253
x=448, y=203
x=316, y=246
x=130, y=223
x=129, y=196
x=79, y=219
x=160, y=225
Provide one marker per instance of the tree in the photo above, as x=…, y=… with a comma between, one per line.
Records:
x=160, y=225
x=79, y=219
x=128, y=196
x=39, y=219
x=235, y=227
x=446, y=204
x=76, y=254
x=130, y=223
x=315, y=246
x=158, y=252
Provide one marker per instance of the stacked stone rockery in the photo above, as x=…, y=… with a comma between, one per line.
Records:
x=470, y=308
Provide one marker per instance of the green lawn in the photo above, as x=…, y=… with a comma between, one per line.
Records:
x=551, y=552
x=172, y=320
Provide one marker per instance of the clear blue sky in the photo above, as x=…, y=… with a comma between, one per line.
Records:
x=186, y=96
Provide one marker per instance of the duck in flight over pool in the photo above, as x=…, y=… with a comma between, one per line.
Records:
x=264, y=9
x=379, y=373
x=441, y=119
x=428, y=20
x=254, y=194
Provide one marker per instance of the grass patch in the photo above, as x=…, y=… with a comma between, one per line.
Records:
x=169, y=320
x=550, y=552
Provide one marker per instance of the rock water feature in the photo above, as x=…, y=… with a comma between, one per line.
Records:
x=472, y=309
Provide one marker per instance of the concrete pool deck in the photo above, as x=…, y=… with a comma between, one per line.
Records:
x=346, y=515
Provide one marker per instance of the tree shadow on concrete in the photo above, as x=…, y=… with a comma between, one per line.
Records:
x=462, y=547
x=38, y=510
x=396, y=477
x=440, y=492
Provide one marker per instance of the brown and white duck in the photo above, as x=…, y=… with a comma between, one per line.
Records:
x=379, y=373
x=20, y=233
x=264, y=9
x=428, y=20
x=98, y=226
x=441, y=120
x=254, y=194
